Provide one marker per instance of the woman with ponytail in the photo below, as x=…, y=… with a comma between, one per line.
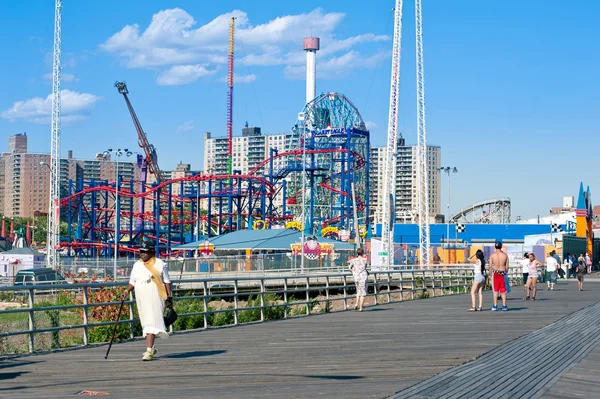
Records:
x=478, y=281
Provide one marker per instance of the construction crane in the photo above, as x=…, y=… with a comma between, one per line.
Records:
x=422, y=171
x=149, y=150
x=389, y=186
x=54, y=210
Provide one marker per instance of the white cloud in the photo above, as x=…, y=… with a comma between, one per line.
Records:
x=39, y=110
x=64, y=77
x=186, y=126
x=183, y=74
x=173, y=38
x=240, y=78
x=371, y=125
x=337, y=67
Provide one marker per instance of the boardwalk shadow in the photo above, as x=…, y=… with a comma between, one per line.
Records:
x=10, y=376
x=7, y=364
x=335, y=377
x=376, y=309
x=187, y=355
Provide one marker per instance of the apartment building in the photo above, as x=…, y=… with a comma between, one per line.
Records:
x=25, y=177
x=250, y=149
x=406, y=181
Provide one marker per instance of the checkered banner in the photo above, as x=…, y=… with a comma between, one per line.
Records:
x=461, y=227
x=556, y=228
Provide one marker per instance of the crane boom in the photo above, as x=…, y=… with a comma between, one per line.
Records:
x=149, y=150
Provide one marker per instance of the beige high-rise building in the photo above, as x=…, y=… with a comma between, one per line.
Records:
x=406, y=182
x=24, y=181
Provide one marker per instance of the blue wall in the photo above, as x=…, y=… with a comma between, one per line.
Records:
x=409, y=233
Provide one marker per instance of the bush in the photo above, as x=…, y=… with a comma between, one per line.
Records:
x=190, y=322
x=222, y=318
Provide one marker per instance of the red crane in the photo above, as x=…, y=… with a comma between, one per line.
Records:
x=149, y=150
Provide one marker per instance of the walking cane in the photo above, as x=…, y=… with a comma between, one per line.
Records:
x=114, y=329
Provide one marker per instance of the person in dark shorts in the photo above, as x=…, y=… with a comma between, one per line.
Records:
x=525, y=267
x=581, y=269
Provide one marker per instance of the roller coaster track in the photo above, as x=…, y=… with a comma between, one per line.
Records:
x=490, y=211
x=152, y=190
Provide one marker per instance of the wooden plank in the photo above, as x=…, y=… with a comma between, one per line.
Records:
x=535, y=360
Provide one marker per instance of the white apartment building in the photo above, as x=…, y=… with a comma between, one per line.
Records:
x=406, y=181
x=252, y=148
x=248, y=151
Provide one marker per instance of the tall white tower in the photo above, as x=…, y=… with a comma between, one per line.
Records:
x=53, y=238
x=311, y=46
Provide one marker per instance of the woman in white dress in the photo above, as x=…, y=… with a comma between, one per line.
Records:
x=358, y=266
x=150, y=279
x=478, y=281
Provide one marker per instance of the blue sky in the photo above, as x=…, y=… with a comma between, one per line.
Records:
x=511, y=86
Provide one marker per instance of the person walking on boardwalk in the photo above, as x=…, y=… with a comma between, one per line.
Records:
x=551, y=268
x=358, y=266
x=581, y=269
x=568, y=264
x=525, y=267
x=533, y=276
x=588, y=262
x=499, y=269
x=150, y=279
x=478, y=281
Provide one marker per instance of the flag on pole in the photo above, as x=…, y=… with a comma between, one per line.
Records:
x=461, y=227
x=556, y=228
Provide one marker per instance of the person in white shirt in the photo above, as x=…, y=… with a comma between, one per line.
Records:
x=568, y=264
x=525, y=267
x=551, y=267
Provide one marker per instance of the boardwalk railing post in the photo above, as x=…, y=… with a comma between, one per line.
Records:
x=31, y=301
x=131, y=317
x=375, y=288
x=345, y=292
x=307, y=295
x=389, y=294
x=327, y=307
x=85, y=316
x=262, y=299
x=205, y=301
x=285, y=298
x=236, y=302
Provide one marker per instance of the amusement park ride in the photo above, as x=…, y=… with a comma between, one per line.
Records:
x=328, y=154
x=320, y=182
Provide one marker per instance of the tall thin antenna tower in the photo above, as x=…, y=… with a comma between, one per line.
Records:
x=230, y=102
x=389, y=186
x=422, y=173
x=54, y=210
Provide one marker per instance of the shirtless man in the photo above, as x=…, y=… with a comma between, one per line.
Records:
x=499, y=269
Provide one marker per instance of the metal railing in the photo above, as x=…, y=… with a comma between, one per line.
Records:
x=269, y=297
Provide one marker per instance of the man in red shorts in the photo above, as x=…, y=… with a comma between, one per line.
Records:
x=499, y=269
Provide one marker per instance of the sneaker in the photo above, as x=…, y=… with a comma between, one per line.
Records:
x=504, y=309
x=154, y=351
x=495, y=308
x=148, y=355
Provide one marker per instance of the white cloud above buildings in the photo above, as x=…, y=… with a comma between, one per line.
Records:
x=186, y=126
x=74, y=107
x=184, y=53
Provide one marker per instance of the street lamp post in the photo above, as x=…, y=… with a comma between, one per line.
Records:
x=447, y=170
x=118, y=154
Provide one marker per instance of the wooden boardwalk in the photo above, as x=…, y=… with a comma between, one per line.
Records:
x=374, y=354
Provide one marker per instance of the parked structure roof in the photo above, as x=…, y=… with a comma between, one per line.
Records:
x=262, y=240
